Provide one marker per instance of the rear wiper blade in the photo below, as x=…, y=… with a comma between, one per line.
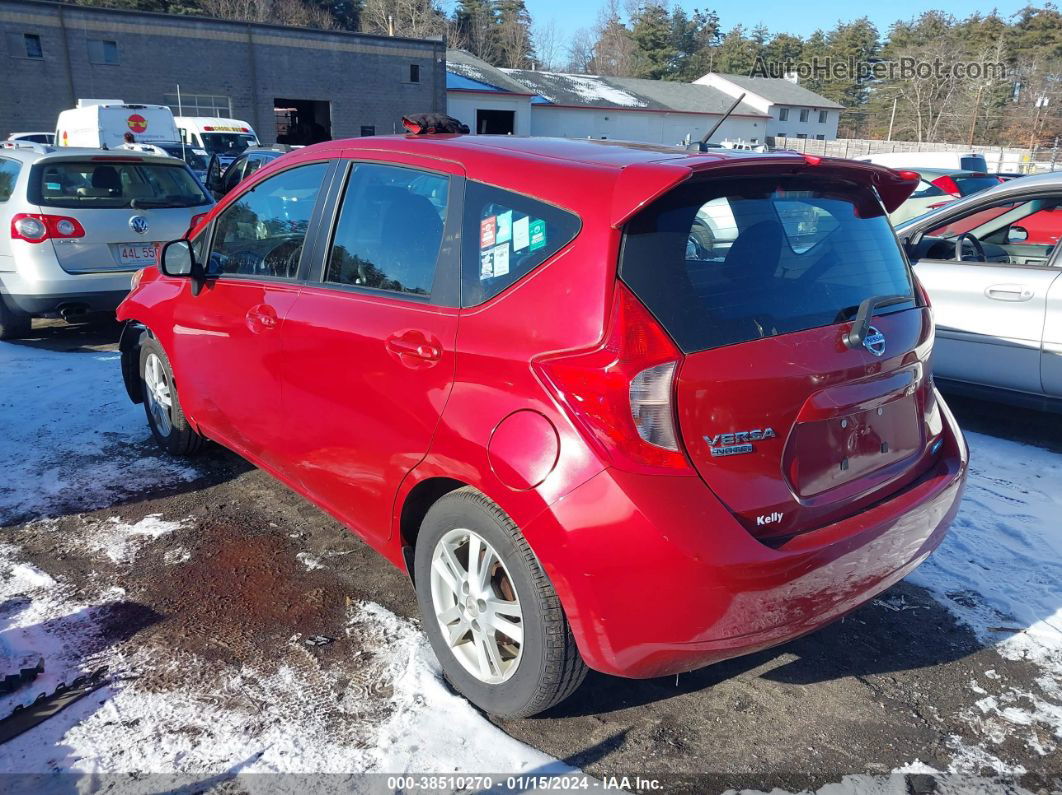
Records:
x=861, y=325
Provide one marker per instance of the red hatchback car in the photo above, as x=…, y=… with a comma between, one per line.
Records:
x=609, y=405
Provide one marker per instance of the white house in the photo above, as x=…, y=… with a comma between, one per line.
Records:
x=793, y=111
x=492, y=100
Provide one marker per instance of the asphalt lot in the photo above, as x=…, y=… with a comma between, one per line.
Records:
x=888, y=685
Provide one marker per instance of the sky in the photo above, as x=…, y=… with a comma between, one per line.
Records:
x=780, y=16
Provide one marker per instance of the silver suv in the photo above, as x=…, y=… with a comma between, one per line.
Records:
x=75, y=224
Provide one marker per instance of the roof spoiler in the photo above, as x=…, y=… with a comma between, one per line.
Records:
x=642, y=183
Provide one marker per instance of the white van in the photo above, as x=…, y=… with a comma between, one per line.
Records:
x=952, y=161
x=103, y=123
x=225, y=138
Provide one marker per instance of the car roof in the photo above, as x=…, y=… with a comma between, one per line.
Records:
x=41, y=152
x=577, y=151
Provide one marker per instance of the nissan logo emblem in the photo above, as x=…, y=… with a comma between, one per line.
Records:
x=874, y=342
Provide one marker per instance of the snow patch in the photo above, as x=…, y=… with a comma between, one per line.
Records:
x=120, y=541
x=309, y=561
x=72, y=440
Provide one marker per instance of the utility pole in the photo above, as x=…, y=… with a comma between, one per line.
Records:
x=892, y=118
x=973, y=120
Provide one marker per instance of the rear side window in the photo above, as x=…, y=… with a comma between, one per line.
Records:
x=726, y=261
x=974, y=184
x=8, y=174
x=506, y=235
x=115, y=183
x=390, y=229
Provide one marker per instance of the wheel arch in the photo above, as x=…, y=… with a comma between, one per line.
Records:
x=129, y=348
x=415, y=507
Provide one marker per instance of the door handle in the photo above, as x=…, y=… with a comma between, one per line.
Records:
x=261, y=317
x=1009, y=292
x=414, y=346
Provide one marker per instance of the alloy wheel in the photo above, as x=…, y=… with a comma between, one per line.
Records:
x=476, y=606
x=159, y=397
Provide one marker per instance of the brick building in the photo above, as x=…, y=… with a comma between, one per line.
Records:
x=271, y=76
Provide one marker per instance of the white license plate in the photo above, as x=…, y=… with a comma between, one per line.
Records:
x=138, y=254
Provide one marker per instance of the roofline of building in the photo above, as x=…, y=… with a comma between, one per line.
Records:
x=833, y=106
x=488, y=91
x=68, y=7
x=548, y=104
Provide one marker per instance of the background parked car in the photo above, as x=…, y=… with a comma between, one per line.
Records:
x=937, y=187
x=31, y=137
x=952, y=161
x=221, y=179
x=78, y=222
x=991, y=265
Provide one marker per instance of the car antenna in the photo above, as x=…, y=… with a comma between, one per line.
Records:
x=702, y=145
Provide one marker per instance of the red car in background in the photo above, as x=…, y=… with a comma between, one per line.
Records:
x=591, y=437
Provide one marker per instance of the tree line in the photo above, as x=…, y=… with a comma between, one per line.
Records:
x=1016, y=101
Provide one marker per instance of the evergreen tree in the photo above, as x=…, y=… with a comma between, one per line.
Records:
x=651, y=32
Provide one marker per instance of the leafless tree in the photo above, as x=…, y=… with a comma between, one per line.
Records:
x=280, y=12
x=417, y=19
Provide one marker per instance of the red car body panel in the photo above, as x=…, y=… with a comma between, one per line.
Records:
x=319, y=387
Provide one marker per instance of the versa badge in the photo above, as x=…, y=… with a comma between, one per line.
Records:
x=737, y=443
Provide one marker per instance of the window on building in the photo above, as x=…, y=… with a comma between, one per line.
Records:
x=24, y=45
x=414, y=73
x=804, y=113
x=368, y=129
x=783, y=114
x=781, y=135
x=822, y=117
x=802, y=135
x=199, y=105
x=102, y=51
x=820, y=137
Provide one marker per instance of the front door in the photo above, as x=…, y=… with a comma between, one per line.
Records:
x=230, y=331
x=369, y=351
x=989, y=295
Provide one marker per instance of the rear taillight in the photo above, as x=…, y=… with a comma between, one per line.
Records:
x=621, y=393
x=921, y=290
x=35, y=228
x=947, y=184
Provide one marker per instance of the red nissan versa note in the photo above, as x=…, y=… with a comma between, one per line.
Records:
x=610, y=405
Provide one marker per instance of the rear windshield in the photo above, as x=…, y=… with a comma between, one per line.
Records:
x=195, y=158
x=115, y=183
x=726, y=261
x=973, y=163
x=974, y=183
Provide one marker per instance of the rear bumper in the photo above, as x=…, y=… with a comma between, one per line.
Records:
x=657, y=578
x=37, y=285
x=59, y=302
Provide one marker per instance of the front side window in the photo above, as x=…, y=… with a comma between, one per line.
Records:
x=262, y=232
x=1030, y=222
x=113, y=182
x=721, y=262
x=8, y=174
x=390, y=229
x=507, y=235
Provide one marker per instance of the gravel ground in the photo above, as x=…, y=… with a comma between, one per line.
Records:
x=244, y=566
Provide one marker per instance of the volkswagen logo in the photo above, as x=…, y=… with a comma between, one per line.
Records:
x=874, y=341
x=138, y=224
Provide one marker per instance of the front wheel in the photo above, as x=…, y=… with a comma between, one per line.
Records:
x=489, y=610
x=169, y=426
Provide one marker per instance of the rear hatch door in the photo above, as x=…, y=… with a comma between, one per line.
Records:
x=790, y=426
x=127, y=207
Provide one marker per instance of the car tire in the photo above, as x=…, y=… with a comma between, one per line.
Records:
x=14, y=325
x=522, y=679
x=168, y=424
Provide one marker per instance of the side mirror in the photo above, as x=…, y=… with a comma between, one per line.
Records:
x=178, y=260
x=1017, y=234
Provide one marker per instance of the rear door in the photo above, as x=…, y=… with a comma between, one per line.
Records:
x=369, y=350
x=227, y=338
x=127, y=206
x=785, y=423
x=990, y=314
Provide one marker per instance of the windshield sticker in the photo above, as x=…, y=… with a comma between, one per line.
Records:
x=486, y=265
x=538, y=234
x=505, y=227
x=52, y=186
x=501, y=259
x=520, y=233
x=487, y=229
